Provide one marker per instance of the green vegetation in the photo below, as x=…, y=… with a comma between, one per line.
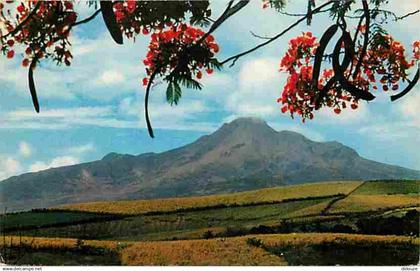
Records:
x=389, y=187
x=172, y=224
x=65, y=256
x=268, y=195
x=338, y=254
x=276, y=226
x=43, y=218
x=366, y=203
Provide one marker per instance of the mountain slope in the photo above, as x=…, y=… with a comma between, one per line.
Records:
x=242, y=155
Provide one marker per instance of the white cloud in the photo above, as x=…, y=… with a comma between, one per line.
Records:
x=25, y=149
x=110, y=77
x=65, y=118
x=299, y=128
x=258, y=89
x=347, y=116
x=9, y=167
x=82, y=149
x=75, y=112
x=408, y=107
x=54, y=163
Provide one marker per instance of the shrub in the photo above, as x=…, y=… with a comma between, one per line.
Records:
x=254, y=242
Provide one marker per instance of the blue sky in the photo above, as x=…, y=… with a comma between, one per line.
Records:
x=96, y=106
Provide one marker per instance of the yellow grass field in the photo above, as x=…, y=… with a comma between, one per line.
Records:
x=362, y=203
x=236, y=251
x=258, y=196
x=220, y=251
x=60, y=243
x=229, y=251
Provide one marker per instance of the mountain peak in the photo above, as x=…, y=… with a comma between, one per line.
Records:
x=248, y=120
x=243, y=154
x=242, y=128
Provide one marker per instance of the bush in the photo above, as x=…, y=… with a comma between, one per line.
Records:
x=208, y=235
x=406, y=225
x=254, y=242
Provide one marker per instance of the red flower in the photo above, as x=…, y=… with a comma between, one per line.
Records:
x=166, y=46
x=10, y=43
x=20, y=8
x=337, y=111
x=145, y=81
x=284, y=109
x=131, y=6
x=68, y=5
x=25, y=62
x=10, y=54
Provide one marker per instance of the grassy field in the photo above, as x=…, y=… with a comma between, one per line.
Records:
x=175, y=225
x=258, y=196
x=364, y=203
x=42, y=218
x=294, y=225
x=230, y=251
x=389, y=187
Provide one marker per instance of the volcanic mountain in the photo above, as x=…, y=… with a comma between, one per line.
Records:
x=242, y=155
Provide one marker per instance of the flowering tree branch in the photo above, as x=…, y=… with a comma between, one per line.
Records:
x=237, y=56
x=180, y=51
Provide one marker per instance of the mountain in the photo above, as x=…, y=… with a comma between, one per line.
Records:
x=242, y=155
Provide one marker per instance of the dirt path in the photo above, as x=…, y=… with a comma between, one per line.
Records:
x=332, y=202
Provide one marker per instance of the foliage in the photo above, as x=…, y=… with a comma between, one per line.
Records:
x=254, y=242
x=179, y=54
x=242, y=198
x=180, y=50
x=304, y=92
x=39, y=219
x=224, y=251
x=227, y=221
x=229, y=251
x=389, y=187
x=363, y=203
x=405, y=225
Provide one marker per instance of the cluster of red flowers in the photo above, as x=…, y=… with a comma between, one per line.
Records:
x=299, y=95
x=384, y=58
x=125, y=15
x=124, y=9
x=49, y=25
x=266, y=4
x=143, y=17
x=416, y=50
x=180, y=47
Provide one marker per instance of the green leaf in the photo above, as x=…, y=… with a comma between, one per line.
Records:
x=189, y=83
x=215, y=64
x=173, y=93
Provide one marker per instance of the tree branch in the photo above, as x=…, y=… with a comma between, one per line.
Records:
x=146, y=103
x=230, y=11
x=19, y=27
x=407, y=15
x=88, y=19
x=236, y=57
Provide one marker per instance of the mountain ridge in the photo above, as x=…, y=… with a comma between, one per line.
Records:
x=241, y=155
